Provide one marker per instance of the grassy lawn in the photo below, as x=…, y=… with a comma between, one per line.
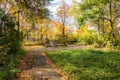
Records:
x=87, y=64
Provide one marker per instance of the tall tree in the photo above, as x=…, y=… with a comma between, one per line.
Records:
x=100, y=12
x=62, y=13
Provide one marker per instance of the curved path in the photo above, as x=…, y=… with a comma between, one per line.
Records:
x=35, y=67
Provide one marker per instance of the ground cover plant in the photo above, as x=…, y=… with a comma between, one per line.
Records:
x=87, y=64
x=8, y=64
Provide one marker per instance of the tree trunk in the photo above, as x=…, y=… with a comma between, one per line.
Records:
x=63, y=34
x=18, y=26
x=41, y=36
x=98, y=30
x=112, y=33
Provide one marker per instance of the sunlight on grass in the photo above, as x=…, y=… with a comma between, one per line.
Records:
x=87, y=64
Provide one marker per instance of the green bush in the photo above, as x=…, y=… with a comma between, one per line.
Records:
x=10, y=46
x=87, y=39
x=9, y=36
x=8, y=64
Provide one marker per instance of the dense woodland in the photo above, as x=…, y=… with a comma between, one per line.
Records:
x=28, y=23
x=17, y=19
x=97, y=25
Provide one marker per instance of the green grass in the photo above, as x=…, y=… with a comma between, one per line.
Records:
x=87, y=64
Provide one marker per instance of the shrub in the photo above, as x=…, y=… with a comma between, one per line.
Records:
x=87, y=38
x=8, y=64
x=10, y=45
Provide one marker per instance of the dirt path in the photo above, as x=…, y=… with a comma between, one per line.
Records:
x=69, y=47
x=35, y=67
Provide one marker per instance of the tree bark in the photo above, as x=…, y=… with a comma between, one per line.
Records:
x=98, y=30
x=63, y=34
x=112, y=33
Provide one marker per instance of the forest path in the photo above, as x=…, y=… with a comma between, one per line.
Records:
x=36, y=67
